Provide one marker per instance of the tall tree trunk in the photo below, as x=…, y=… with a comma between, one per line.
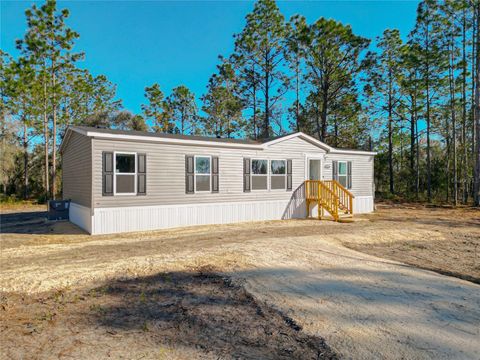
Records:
x=417, y=165
x=464, y=107
x=453, y=118
x=3, y=124
x=390, y=134
x=335, y=122
x=317, y=120
x=473, y=82
x=427, y=85
x=266, y=124
x=297, y=93
x=476, y=177
x=54, y=134
x=182, y=123
x=447, y=167
x=254, y=83
x=429, y=173
x=412, y=141
x=323, y=114
x=25, y=160
x=45, y=135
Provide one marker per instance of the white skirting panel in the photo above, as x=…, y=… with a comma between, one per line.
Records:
x=363, y=204
x=142, y=218
x=81, y=216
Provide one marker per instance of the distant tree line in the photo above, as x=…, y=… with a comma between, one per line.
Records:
x=416, y=102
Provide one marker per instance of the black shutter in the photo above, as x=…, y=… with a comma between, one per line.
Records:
x=246, y=175
x=335, y=170
x=107, y=173
x=215, y=174
x=189, y=176
x=289, y=175
x=141, y=174
x=349, y=175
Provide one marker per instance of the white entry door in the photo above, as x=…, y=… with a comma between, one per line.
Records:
x=314, y=169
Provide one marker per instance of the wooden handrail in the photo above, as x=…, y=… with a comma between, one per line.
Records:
x=345, y=196
x=330, y=195
x=318, y=191
x=344, y=188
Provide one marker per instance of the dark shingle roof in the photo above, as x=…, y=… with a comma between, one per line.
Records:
x=172, y=136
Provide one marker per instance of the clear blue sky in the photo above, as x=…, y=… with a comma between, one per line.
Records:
x=138, y=43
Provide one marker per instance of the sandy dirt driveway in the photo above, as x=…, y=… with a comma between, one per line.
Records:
x=328, y=278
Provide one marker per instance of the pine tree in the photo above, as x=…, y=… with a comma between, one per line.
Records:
x=385, y=77
x=48, y=43
x=183, y=110
x=22, y=89
x=476, y=154
x=332, y=53
x=157, y=109
x=296, y=32
x=222, y=106
x=410, y=107
x=426, y=36
x=260, y=54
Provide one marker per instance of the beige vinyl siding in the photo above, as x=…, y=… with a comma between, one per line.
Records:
x=362, y=172
x=77, y=169
x=166, y=172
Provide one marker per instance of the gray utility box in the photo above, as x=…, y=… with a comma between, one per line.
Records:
x=58, y=209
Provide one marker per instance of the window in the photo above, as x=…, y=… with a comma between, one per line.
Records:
x=202, y=173
x=125, y=174
x=259, y=174
x=278, y=175
x=342, y=173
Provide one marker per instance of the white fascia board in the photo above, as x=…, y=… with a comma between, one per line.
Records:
x=353, y=152
x=301, y=135
x=283, y=138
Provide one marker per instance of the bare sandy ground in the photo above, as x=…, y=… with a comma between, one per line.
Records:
x=323, y=275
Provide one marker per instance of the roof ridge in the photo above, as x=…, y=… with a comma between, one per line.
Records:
x=165, y=135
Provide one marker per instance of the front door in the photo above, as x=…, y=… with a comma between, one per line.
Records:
x=314, y=169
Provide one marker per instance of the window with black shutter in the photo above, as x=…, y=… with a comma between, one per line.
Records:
x=215, y=172
x=141, y=174
x=107, y=173
x=289, y=175
x=246, y=175
x=189, y=174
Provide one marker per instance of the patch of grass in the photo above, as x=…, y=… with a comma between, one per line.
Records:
x=412, y=246
x=167, y=278
x=46, y=316
x=97, y=292
x=96, y=308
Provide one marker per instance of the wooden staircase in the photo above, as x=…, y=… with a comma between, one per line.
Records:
x=330, y=196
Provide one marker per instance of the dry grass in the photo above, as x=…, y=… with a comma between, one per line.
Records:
x=146, y=295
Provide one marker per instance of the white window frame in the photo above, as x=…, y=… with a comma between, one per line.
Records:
x=346, y=172
x=277, y=175
x=134, y=174
x=267, y=175
x=195, y=174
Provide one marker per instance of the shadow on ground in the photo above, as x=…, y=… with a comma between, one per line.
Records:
x=200, y=314
x=205, y=311
x=35, y=222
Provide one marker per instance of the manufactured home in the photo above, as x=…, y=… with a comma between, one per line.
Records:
x=121, y=181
